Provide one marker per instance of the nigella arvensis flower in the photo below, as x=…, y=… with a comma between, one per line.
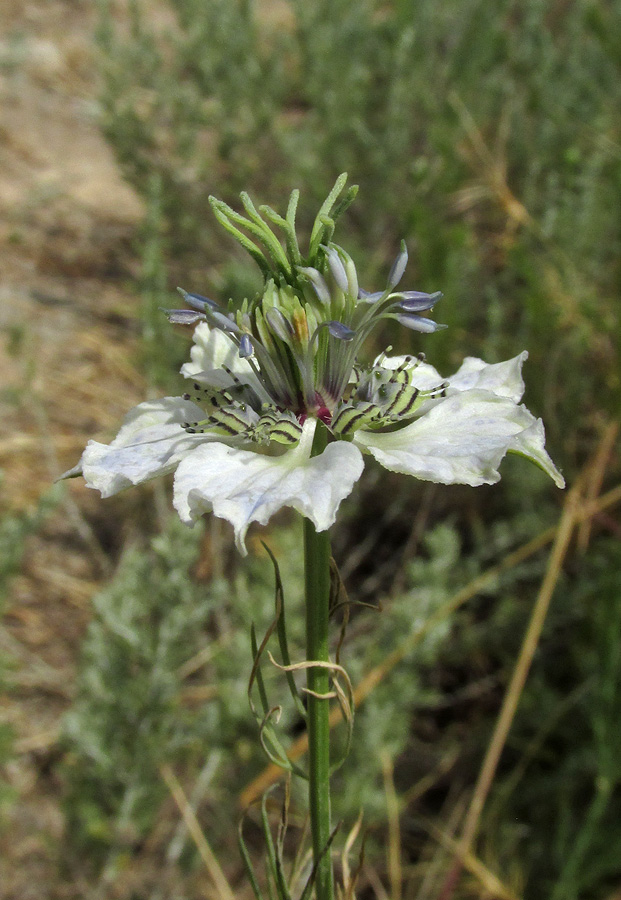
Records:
x=265, y=374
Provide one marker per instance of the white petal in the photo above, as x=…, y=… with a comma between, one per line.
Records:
x=151, y=442
x=531, y=444
x=212, y=350
x=461, y=440
x=245, y=486
x=503, y=379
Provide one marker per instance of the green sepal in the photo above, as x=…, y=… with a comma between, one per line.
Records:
x=264, y=233
x=345, y=202
x=324, y=212
x=221, y=212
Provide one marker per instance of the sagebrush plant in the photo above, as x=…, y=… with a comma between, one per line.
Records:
x=159, y=682
x=148, y=694
x=15, y=530
x=282, y=410
x=552, y=756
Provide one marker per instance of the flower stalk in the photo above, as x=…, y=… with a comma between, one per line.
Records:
x=317, y=588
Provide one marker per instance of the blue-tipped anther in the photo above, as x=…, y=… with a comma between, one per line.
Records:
x=419, y=323
x=197, y=301
x=318, y=282
x=340, y=331
x=278, y=324
x=245, y=347
x=398, y=267
x=223, y=322
x=183, y=316
x=418, y=301
x=369, y=296
x=337, y=268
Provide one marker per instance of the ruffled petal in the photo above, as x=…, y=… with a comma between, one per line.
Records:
x=151, y=442
x=245, y=486
x=503, y=379
x=531, y=444
x=462, y=440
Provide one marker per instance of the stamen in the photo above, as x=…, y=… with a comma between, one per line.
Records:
x=398, y=267
x=198, y=301
x=369, y=297
x=337, y=268
x=417, y=301
x=245, y=347
x=183, y=316
x=224, y=322
x=340, y=331
x=418, y=323
x=277, y=322
x=318, y=282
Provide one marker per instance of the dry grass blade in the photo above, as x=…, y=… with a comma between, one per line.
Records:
x=349, y=882
x=212, y=865
x=493, y=886
x=492, y=167
x=378, y=888
x=377, y=675
x=595, y=479
x=395, y=873
x=450, y=814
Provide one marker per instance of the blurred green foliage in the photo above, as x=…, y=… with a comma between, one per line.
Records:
x=15, y=529
x=489, y=141
x=159, y=638
x=553, y=815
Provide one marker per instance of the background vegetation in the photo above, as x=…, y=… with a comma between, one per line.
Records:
x=490, y=140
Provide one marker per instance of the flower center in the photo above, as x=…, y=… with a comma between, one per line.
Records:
x=302, y=335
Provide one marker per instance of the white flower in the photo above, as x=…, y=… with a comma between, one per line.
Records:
x=240, y=443
x=457, y=438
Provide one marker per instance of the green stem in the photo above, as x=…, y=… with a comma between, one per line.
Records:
x=317, y=581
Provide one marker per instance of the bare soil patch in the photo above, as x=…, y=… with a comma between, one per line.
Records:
x=67, y=372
